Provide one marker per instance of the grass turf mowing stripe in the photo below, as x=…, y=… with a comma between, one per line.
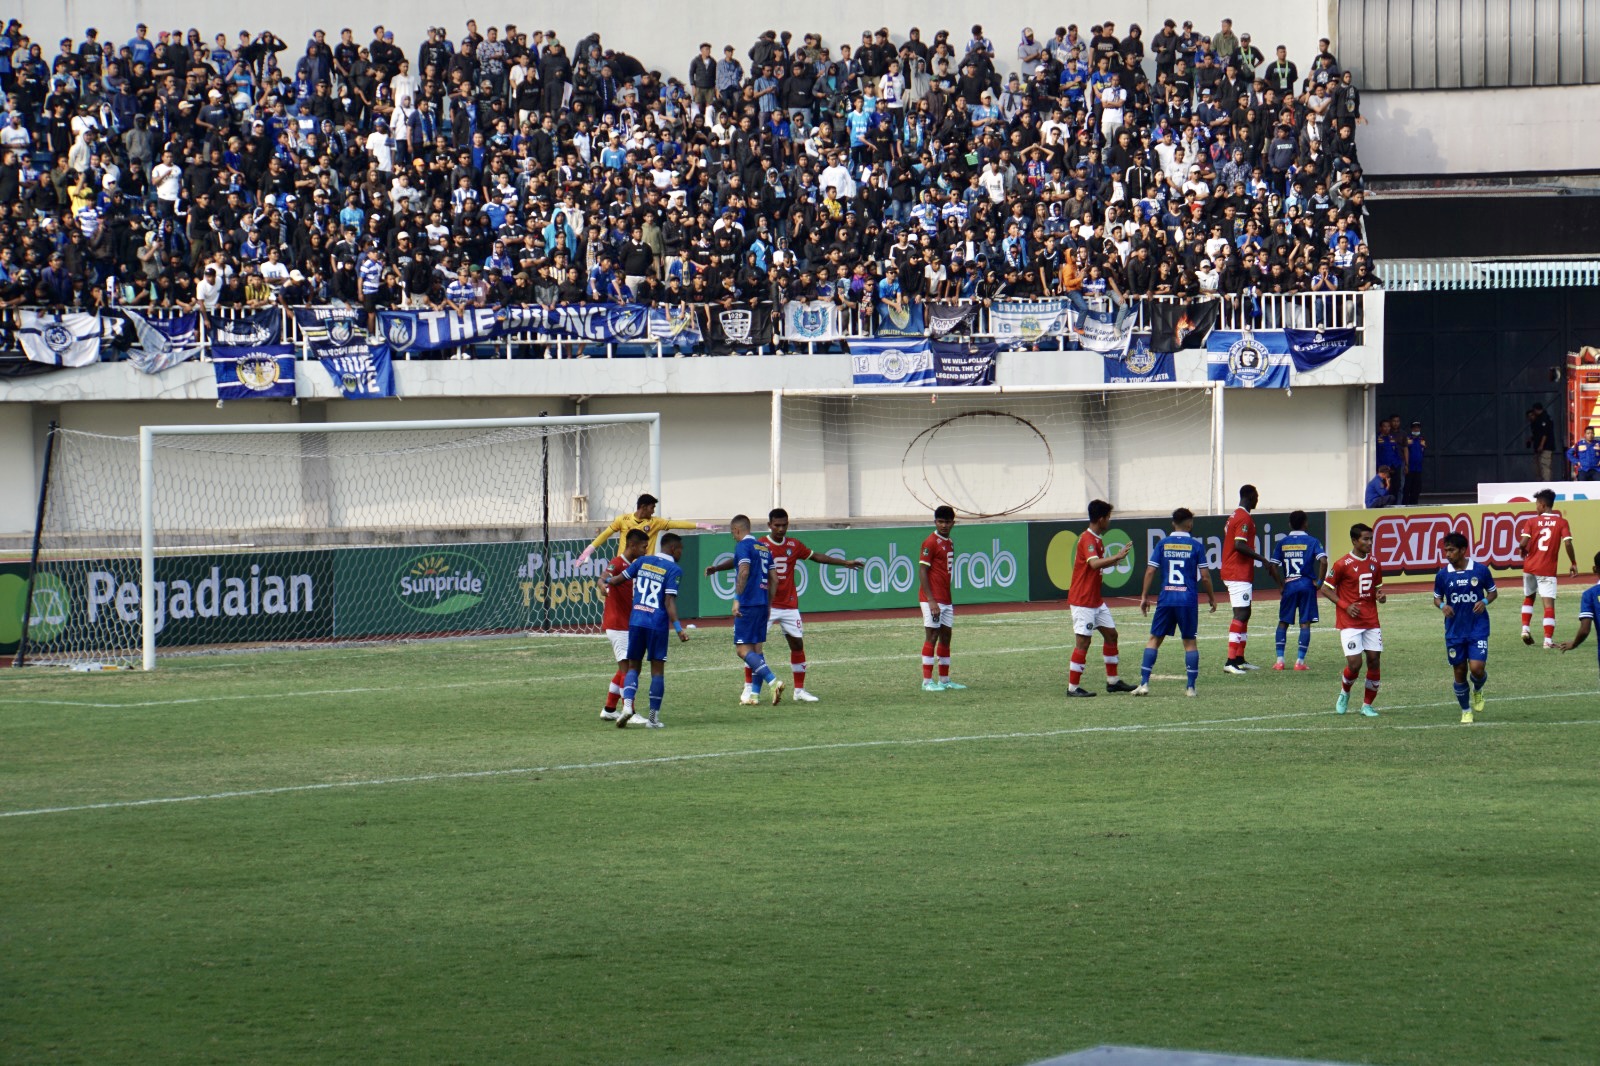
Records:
x=1202, y=726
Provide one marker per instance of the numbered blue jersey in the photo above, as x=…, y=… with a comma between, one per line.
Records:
x=1177, y=561
x=655, y=577
x=1463, y=590
x=759, y=556
x=1297, y=554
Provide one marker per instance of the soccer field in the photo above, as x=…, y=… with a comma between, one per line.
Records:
x=438, y=852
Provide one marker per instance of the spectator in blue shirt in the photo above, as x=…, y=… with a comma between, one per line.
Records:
x=1585, y=457
x=1379, y=494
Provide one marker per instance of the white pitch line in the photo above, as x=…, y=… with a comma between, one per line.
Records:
x=1230, y=725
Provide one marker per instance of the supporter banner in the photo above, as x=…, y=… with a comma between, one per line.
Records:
x=1179, y=324
x=262, y=326
x=72, y=339
x=738, y=329
x=1018, y=321
x=432, y=331
x=162, y=343
x=1405, y=540
x=990, y=566
x=265, y=372
x=943, y=318
x=338, y=326
x=1311, y=348
x=1140, y=364
x=1522, y=491
x=904, y=363
x=813, y=321
x=361, y=372
x=892, y=321
x=1098, y=332
x=960, y=365
x=1053, y=549
x=675, y=327
x=604, y=323
x=1257, y=360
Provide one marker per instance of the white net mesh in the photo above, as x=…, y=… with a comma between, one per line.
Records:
x=898, y=455
x=314, y=536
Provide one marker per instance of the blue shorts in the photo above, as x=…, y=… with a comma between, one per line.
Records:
x=1169, y=620
x=647, y=643
x=1301, y=601
x=1461, y=651
x=751, y=625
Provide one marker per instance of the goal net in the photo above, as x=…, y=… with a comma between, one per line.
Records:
x=294, y=534
x=881, y=454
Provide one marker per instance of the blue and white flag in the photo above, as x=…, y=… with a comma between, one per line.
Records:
x=1311, y=348
x=958, y=365
x=261, y=326
x=1102, y=333
x=906, y=363
x=605, y=323
x=72, y=339
x=322, y=326
x=891, y=321
x=811, y=321
x=675, y=327
x=1024, y=321
x=262, y=372
x=361, y=372
x=162, y=343
x=1257, y=360
x=430, y=331
x=1139, y=364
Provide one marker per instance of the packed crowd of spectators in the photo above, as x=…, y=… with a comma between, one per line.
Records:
x=504, y=167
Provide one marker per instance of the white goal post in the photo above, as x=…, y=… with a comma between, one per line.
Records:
x=149, y=436
x=998, y=451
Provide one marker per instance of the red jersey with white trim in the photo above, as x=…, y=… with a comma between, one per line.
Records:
x=781, y=591
x=619, y=598
x=1356, y=581
x=936, y=555
x=1237, y=566
x=1086, y=580
x=1545, y=532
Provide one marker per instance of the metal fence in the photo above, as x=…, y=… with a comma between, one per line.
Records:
x=1446, y=275
x=1301, y=310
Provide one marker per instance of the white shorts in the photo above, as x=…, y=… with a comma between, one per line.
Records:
x=786, y=619
x=619, y=643
x=946, y=616
x=1240, y=592
x=1356, y=641
x=1539, y=585
x=1085, y=620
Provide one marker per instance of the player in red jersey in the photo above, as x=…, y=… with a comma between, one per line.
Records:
x=1355, y=586
x=785, y=595
x=619, y=607
x=1539, y=539
x=933, y=595
x=1239, y=558
x=1088, y=605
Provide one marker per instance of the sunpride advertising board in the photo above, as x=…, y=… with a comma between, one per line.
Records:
x=1054, y=546
x=322, y=594
x=990, y=566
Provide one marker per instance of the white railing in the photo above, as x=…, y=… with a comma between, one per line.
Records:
x=1446, y=275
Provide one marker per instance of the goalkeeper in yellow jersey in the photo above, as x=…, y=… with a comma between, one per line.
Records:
x=643, y=517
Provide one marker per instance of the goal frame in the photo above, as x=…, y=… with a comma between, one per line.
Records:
x=147, y=473
x=1215, y=388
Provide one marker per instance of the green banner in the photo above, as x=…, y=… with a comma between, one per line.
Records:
x=1054, y=547
x=990, y=566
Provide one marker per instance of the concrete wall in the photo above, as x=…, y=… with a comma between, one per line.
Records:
x=1480, y=131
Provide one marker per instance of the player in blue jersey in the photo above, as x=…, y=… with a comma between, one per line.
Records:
x=1588, y=610
x=1304, y=564
x=655, y=614
x=1463, y=590
x=1179, y=563
x=752, y=609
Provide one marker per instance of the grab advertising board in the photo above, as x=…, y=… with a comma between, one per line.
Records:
x=1405, y=540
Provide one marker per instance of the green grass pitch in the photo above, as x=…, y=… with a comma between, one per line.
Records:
x=439, y=853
